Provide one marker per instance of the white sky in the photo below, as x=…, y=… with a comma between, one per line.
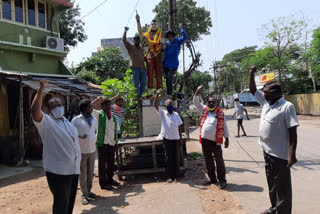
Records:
x=235, y=23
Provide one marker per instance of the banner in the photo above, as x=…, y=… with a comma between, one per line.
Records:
x=264, y=78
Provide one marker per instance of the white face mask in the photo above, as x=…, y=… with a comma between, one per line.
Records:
x=57, y=112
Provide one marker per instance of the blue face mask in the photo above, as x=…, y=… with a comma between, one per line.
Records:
x=170, y=108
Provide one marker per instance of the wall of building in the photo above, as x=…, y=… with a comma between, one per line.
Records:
x=28, y=62
x=308, y=104
x=11, y=31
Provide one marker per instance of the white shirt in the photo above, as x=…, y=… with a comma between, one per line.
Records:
x=239, y=111
x=61, y=149
x=274, y=124
x=209, y=128
x=109, y=136
x=170, y=123
x=88, y=144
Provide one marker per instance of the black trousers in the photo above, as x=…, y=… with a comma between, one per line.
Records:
x=64, y=190
x=171, y=157
x=213, y=153
x=279, y=183
x=106, y=164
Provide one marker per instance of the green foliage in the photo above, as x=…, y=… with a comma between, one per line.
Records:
x=107, y=64
x=125, y=87
x=71, y=27
x=195, y=156
x=288, y=52
x=197, y=78
x=196, y=20
x=193, y=115
x=89, y=76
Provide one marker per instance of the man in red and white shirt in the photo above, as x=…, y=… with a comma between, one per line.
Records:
x=213, y=128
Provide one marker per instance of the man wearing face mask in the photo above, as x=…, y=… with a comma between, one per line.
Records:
x=61, y=151
x=239, y=109
x=87, y=127
x=278, y=139
x=154, y=56
x=171, y=60
x=213, y=128
x=107, y=138
x=171, y=123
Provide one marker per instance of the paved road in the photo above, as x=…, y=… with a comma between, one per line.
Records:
x=245, y=167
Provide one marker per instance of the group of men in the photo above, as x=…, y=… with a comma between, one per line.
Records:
x=69, y=149
x=156, y=63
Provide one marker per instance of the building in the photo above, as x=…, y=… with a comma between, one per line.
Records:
x=30, y=50
x=116, y=42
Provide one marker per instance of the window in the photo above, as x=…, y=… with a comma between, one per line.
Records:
x=6, y=9
x=41, y=15
x=31, y=13
x=18, y=10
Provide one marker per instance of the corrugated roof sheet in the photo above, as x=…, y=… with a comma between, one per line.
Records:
x=64, y=86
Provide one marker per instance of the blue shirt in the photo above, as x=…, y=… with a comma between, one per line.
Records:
x=171, y=59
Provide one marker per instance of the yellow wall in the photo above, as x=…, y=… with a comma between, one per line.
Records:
x=305, y=103
x=4, y=114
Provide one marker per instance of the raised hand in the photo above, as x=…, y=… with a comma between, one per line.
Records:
x=126, y=29
x=180, y=25
x=43, y=84
x=253, y=69
x=159, y=91
x=200, y=88
x=137, y=16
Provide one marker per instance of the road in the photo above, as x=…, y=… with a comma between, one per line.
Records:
x=245, y=167
x=246, y=193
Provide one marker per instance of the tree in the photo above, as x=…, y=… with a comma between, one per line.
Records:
x=196, y=21
x=314, y=53
x=231, y=74
x=282, y=35
x=71, y=26
x=125, y=87
x=197, y=78
x=107, y=64
x=89, y=76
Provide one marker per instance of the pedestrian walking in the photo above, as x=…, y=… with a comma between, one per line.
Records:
x=239, y=109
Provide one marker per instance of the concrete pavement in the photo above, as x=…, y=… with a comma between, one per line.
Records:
x=245, y=166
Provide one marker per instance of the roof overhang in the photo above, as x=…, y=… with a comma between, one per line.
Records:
x=64, y=3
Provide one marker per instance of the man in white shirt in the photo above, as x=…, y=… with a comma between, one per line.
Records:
x=171, y=123
x=61, y=151
x=278, y=139
x=213, y=128
x=239, y=109
x=87, y=127
x=107, y=138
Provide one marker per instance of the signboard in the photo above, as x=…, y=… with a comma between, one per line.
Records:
x=264, y=78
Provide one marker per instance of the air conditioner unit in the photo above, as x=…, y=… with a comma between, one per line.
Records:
x=54, y=43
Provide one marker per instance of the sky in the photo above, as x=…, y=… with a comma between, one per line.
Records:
x=236, y=24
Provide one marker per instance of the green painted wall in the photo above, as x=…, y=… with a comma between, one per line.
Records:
x=22, y=61
x=23, y=58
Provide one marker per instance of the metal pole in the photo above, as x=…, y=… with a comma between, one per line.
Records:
x=170, y=14
x=21, y=122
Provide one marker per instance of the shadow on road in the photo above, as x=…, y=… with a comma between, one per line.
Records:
x=243, y=188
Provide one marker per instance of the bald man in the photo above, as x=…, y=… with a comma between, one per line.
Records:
x=61, y=151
